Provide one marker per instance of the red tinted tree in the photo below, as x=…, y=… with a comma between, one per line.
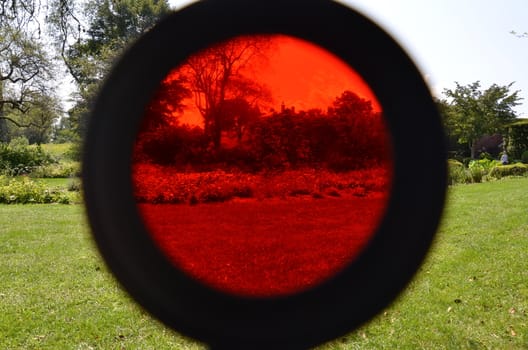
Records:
x=362, y=137
x=166, y=104
x=236, y=114
x=217, y=74
x=160, y=134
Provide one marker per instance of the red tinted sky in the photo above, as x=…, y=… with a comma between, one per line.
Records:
x=301, y=75
x=304, y=75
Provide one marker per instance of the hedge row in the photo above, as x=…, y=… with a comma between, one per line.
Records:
x=26, y=191
x=483, y=169
x=517, y=169
x=158, y=184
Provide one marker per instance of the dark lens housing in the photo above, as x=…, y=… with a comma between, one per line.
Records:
x=348, y=299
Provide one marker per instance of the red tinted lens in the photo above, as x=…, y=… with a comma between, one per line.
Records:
x=262, y=166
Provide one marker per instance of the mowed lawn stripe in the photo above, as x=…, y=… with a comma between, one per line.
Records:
x=56, y=293
x=472, y=292
x=264, y=247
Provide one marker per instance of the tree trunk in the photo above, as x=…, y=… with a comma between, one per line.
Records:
x=239, y=135
x=4, y=131
x=217, y=136
x=472, y=149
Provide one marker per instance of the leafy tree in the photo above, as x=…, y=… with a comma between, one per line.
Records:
x=362, y=135
x=89, y=43
x=90, y=35
x=25, y=68
x=236, y=115
x=518, y=138
x=350, y=106
x=45, y=111
x=166, y=104
x=472, y=113
x=455, y=148
x=216, y=75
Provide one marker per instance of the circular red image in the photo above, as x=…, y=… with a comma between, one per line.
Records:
x=263, y=166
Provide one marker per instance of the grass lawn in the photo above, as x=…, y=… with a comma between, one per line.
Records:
x=472, y=293
x=55, y=292
x=55, y=182
x=57, y=149
x=264, y=248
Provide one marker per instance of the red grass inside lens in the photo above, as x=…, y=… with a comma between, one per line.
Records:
x=262, y=166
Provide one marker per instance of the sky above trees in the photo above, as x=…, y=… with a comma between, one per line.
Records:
x=452, y=40
x=297, y=74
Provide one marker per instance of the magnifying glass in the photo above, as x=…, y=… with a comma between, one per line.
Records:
x=264, y=174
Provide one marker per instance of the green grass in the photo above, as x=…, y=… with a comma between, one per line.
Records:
x=57, y=150
x=472, y=293
x=55, y=292
x=55, y=182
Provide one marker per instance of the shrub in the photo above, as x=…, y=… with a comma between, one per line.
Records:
x=518, y=139
x=243, y=191
x=174, y=146
x=517, y=169
x=18, y=158
x=300, y=192
x=340, y=163
x=466, y=161
x=74, y=185
x=485, y=164
x=480, y=168
x=457, y=173
x=156, y=184
x=74, y=152
x=486, y=155
x=524, y=157
x=25, y=191
x=63, y=169
x=333, y=193
x=476, y=174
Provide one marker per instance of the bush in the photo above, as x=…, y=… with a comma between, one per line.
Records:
x=466, y=161
x=74, y=185
x=476, y=174
x=64, y=169
x=340, y=163
x=453, y=163
x=156, y=184
x=74, y=152
x=484, y=164
x=480, y=168
x=18, y=158
x=457, y=173
x=518, y=139
x=486, y=155
x=25, y=191
x=517, y=169
x=214, y=195
x=524, y=157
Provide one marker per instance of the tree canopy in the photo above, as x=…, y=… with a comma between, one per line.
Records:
x=349, y=136
x=470, y=112
x=91, y=34
x=215, y=75
x=39, y=36
x=25, y=66
x=87, y=36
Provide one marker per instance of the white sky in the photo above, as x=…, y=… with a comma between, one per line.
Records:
x=456, y=40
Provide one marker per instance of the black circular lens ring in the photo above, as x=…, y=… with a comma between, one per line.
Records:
x=345, y=301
